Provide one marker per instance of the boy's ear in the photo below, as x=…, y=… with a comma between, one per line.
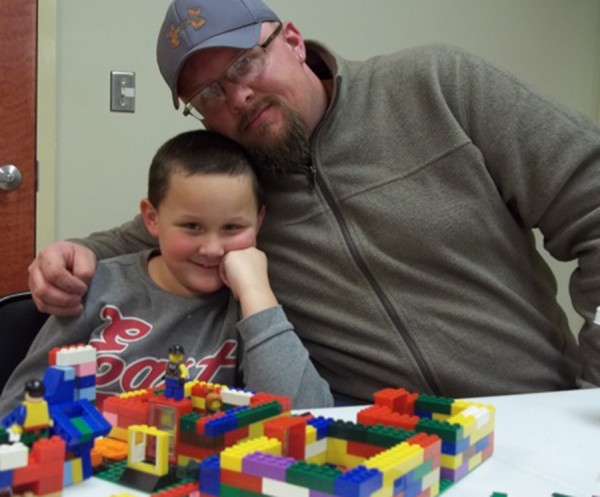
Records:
x=150, y=216
x=261, y=216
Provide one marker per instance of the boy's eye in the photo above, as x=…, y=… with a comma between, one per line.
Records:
x=232, y=227
x=192, y=226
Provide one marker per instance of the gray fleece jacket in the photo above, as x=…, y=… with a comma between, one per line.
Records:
x=132, y=323
x=404, y=255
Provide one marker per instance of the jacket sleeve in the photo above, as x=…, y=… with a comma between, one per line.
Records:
x=545, y=161
x=128, y=238
x=275, y=361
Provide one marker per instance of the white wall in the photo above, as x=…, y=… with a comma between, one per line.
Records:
x=93, y=162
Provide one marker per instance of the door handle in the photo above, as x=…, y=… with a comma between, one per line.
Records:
x=10, y=177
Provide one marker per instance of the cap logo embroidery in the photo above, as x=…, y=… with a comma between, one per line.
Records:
x=193, y=20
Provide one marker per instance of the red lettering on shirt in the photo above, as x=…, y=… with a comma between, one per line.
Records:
x=119, y=372
x=119, y=330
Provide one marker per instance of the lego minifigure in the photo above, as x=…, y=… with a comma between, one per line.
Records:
x=31, y=420
x=176, y=373
x=214, y=402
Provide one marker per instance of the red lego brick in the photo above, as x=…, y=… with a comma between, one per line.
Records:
x=246, y=482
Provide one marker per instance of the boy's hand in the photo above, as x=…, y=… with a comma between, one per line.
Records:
x=59, y=277
x=245, y=273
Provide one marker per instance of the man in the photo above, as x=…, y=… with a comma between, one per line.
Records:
x=402, y=192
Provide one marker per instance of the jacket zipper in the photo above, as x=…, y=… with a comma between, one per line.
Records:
x=315, y=179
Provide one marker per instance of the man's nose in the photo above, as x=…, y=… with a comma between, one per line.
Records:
x=237, y=95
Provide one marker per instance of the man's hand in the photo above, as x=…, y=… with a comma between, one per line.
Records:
x=59, y=277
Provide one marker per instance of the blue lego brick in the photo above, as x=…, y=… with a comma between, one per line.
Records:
x=358, y=482
x=60, y=385
x=209, y=475
x=6, y=478
x=321, y=424
x=482, y=444
x=85, y=381
x=454, y=448
x=220, y=426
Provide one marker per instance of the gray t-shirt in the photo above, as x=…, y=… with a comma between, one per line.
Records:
x=132, y=323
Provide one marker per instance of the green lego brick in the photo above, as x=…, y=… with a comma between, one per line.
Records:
x=4, y=437
x=113, y=472
x=230, y=491
x=260, y=412
x=387, y=436
x=432, y=403
x=84, y=429
x=450, y=432
x=313, y=476
x=187, y=422
x=445, y=485
x=422, y=470
x=348, y=430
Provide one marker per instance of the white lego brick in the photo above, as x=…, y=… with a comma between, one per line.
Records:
x=315, y=448
x=480, y=414
x=73, y=356
x=274, y=487
x=13, y=456
x=235, y=397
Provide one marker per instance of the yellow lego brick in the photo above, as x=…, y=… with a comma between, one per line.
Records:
x=451, y=462
x=468, y=423
x=475, y=460
x=484, y=432
x=231, y=458
x=137, y=444
x=76, y=470
x=337, y=453
x=132, y=393
x=118, y=433
x=397, y=461
x=430, y=480
x=460, y=405
x=320, y=459
x=311, y=434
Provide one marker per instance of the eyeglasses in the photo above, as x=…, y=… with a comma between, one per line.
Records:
x=243, y=70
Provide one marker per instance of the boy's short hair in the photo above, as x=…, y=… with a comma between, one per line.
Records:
x=199, y=152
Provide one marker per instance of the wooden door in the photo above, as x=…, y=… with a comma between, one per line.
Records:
x=18, y=61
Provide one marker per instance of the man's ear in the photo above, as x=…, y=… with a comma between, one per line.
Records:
x=294, y=40
x=150, y=216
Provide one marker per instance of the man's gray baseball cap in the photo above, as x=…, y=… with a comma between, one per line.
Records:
x=194, y=25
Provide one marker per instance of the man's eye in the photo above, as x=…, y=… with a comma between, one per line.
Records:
x=211, y=92
x=244, y=65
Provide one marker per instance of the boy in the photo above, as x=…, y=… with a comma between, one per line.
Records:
x=205, y=208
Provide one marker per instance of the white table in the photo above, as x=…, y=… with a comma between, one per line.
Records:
x=544, y=443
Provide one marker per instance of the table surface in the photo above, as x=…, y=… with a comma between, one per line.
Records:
x=545, y=443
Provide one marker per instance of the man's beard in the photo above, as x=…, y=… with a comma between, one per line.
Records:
x=276, y=158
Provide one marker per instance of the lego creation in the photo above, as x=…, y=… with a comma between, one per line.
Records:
x=209, y=440
x=60, y=449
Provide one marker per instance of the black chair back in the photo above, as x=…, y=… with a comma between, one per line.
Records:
x=20, y=322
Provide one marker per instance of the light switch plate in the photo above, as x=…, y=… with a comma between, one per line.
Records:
x=122, y=91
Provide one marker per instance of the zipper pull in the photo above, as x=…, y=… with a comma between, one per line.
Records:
x=312, y=175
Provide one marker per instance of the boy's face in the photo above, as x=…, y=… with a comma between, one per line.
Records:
x=201, y=218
